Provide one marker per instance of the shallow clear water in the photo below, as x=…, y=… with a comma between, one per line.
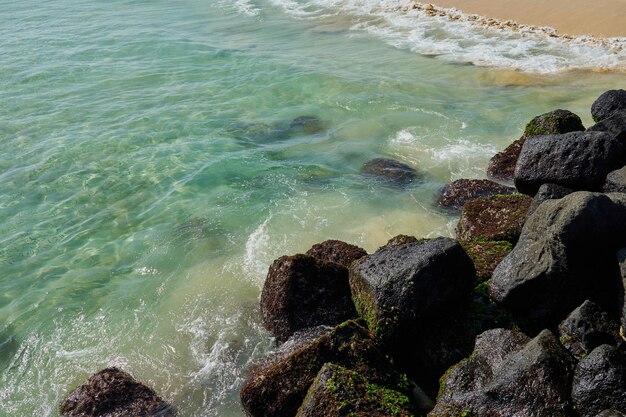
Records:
x=149, y=173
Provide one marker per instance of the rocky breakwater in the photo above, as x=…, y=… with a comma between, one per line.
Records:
x=523, y=315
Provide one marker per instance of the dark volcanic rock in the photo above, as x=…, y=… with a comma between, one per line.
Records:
x=600, y=381
x=611, y=413
x=507, y=377
x=578, y=160
x=563, y=243
x=459, y=192
x=336, y=251
x=400, y=240
x=339, y=392
x=390, y=169
x=586, y=328
x=621, y=297
x=301, y=292
x=547, y=192
x=607, y=104
x=498, y=217
x=114, y=393
x=616, y=181
x=486, y=256
x=502, y=165
x=395, y=287
x=277, y=386
x=614, y=126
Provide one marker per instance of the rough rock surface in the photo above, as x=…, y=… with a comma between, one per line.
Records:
x=457, y=193
x=389, y=169
x=502, y=165
x=563, y=243
x=600, y=381
x=578, y=160
x=114, y=393
x=621, y=295
x=301, y=292
x=336, y=251
x=611, y=413
x=616, y=181
x=498, y=218
x=607, y=104
x=486, y=256
x=508, y=377
x=614, y=125
x=547, y=192
x=400, y=240
x=277, y=386
x=340, y=392
x=395, y=287
x=586, y=328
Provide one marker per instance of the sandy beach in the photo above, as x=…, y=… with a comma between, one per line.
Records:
x=602, y=19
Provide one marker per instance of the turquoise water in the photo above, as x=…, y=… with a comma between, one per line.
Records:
x=149, y=174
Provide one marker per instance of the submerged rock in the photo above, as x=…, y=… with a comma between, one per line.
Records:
x=600, y=381
x=456, y=194
x=578, y=160
x=563, y=243
x=507, y=375
x=306, y=125
x=390, y=169
x=339, y=392
x=397, y=286
x=301, y=292
x=607, y=104
x=586, y=328
x=616, y=181
x=502, y=165
x=614, y=125
x=114, y=393
x=547, y=192
x=336, y=251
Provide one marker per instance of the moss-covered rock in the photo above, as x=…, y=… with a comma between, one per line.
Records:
x=502, y=165
x=495, y=218
x=486, y=255
x=390, y=169
x=339, y=392
x=459, y=192
x=400, y=240
x=336, y=251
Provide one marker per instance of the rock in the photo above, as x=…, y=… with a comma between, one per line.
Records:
x=616, y=181
x=498, y=217
x=502, y=165
x=339, y=392
x=459, y=192
x=578, y=160
x=600, y=381
x=277, y=386
x=607, y=104
x=301, y=292
x=306, y=125
x=486, y=256
x=547, y=192
x=401, y=240
x=507, y=377
x=336, y=251
x=586, y=328
x=614, y=125
x=395, y=287
x=389, y=169
x=563, y=243
x=114, y=393
x=611, y=413
x=621, y=259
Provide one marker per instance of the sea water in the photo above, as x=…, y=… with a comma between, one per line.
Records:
x=151, y=170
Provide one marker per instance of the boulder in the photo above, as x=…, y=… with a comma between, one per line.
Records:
x=507, y=375
x=621, y=295
x=336, y=251
x=398, y=286
x=614, y=125
x=389, y=169
x=586, y=328
x=400, y=240
x=502, y=165
x=547, y=192
x=114, y=393
x=615, y=181
x=339, y=392
x=307, y=125
x=600, y=381
x=564, y=256
x=277, y=386
x=611, y=413
x=498, y=218
x=607, y=104
x=301, y=292
x=486, y=256
x=578, y=160
x=459, y=192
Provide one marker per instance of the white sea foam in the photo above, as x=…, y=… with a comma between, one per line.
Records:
x=452, y=36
